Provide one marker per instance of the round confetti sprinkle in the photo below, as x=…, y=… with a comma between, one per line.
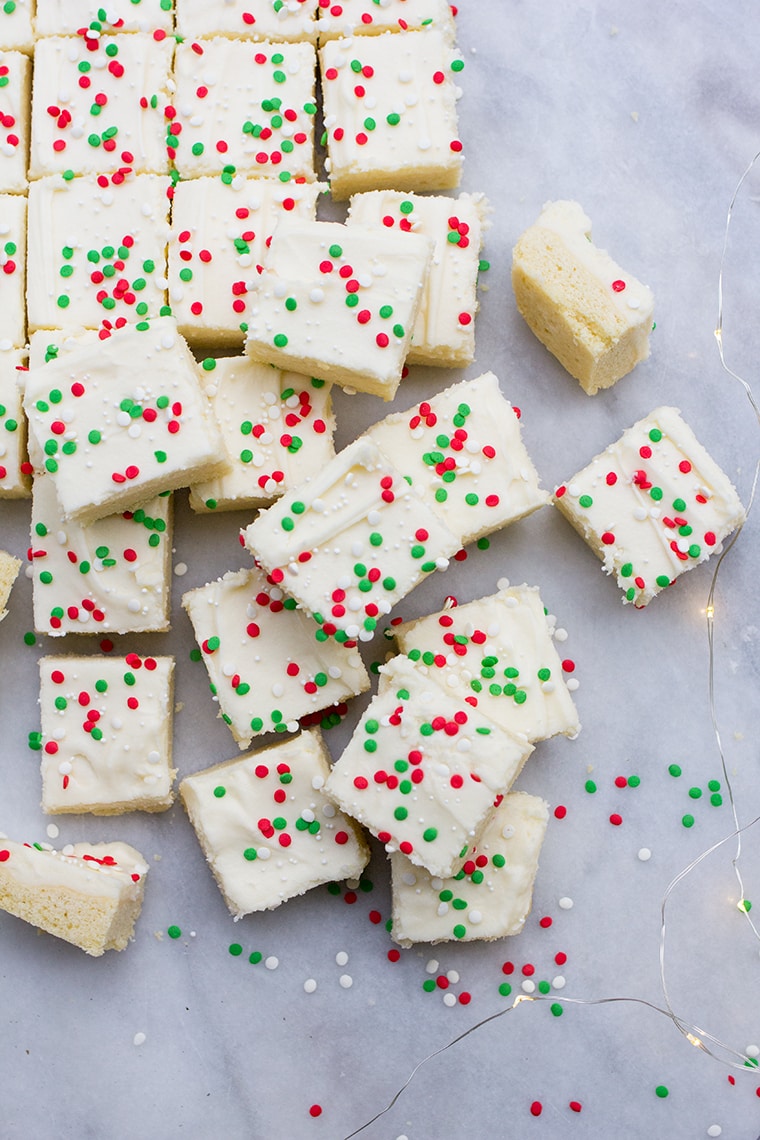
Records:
x=536, y=1108
x=174, y=932
x=662, y=1091
x=644, y=854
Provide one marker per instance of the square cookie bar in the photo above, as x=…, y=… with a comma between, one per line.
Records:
x=277, y=429
x=106, y=734
x=444, y=332
x=16, y=31
x=15, y=95
x=15, y=470
x=119, y=419
x=490, y=897
x=351, y=541
x=248, y=19
x=97, y=249
x=370, y=17
x=652, y=506
x=497, y=653
x=244, y=108
x=9, y=568
x=91, y=20
x=266, y=668
x=220, y=230
x=464, y=453
x=339, y=302
x=102, y=109
x=390, y=112
x=423, y=768
x=13, y=266
x=88, y=894
x=592, y=315
x=266, y=827
x=109, y=577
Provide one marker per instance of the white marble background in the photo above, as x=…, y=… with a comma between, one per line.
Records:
x=647, y=114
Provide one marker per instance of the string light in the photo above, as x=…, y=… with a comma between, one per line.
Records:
x=695, y=1035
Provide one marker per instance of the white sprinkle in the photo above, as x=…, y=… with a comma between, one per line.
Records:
x=573, y=684
x=341, y=958
x=644, y=854
x=138, y=1039
x=346, y=981
x=449, y=1000
x=558, y=983
x=432, y=966
x=452, y=976
x=714, y=1130
x=309, y=986
x=180, y=569
x=52, y=831
x=271, y=962
x=752, y=1051
x=528, y=986
x=560, y=634
x=565, y=903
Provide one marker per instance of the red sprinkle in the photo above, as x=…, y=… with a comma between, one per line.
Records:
x=560, y=811
x=616, y=819
x=536, y=1108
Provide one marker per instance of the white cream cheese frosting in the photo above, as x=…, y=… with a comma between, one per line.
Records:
x=15, y=95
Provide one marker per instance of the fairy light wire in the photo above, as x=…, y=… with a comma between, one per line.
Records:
x=694, y=1034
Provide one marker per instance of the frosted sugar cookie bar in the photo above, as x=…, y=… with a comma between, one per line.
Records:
x=591, y=314
x=97, y=249
x=277, y=428
x=266, y=827
x=244, y=108
x=350, y=542
x=490, y=897
x=266, y=668
x=15, y=470
x=423, y=768
x=13, y=266
x=16, y=26
x=103, y=109
x=652, y=506
x=370, y=17
x=444, y=332
x=9, y=568
x=248, y=19
x=464, y=453
x=117, y=420
x=339, y=302
x=88, y=894
x=15, y=94
x=106, y=734
x=390, y=112
x=221, y=227
x=111, y=576
x=497, y=653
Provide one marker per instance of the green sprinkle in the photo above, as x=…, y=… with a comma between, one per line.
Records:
x=174, y=932
x=688, y=820
x=674, y=769
x=235, y=949
x=661, y=1091
x=590, y=786
x=220, y=791
x=505, y=989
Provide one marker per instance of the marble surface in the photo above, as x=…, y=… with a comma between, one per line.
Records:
x=647, y=114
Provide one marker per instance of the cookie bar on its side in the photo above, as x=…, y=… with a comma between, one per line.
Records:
x=592, y=315
x=88, y=894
